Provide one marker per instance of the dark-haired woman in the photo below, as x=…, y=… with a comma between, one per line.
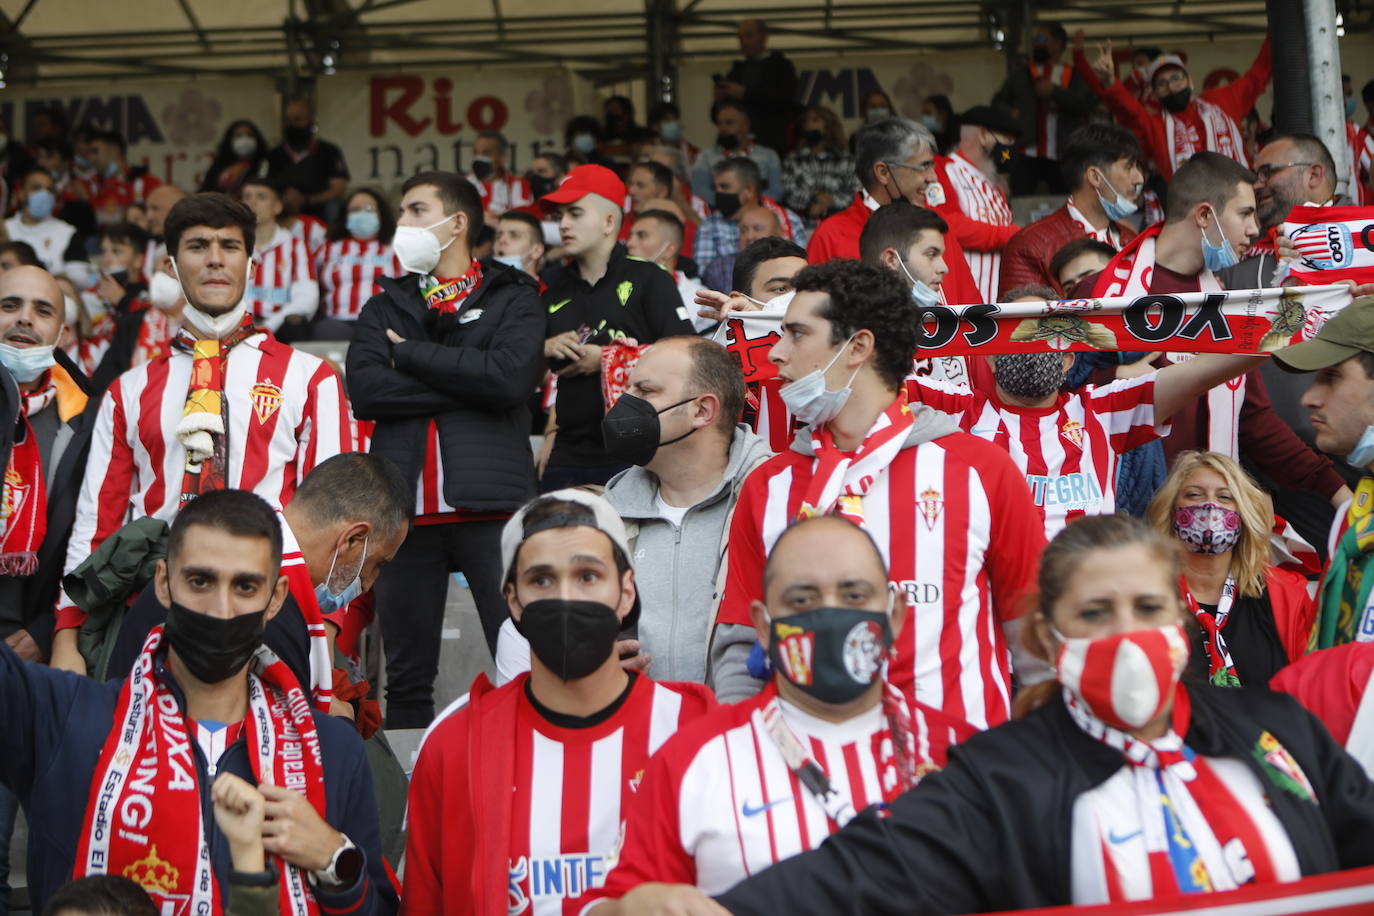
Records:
x=1117, y=783
x=242, y=154
x=356, y=253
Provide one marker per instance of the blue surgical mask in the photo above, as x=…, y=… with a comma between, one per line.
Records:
x=1218, y=257
x=584, y=143
x=931, y=122
x=26, y=363
x=40, y=203
x=1362, y=455
x=329, y=601
x=1350, y=108
x=81, y=162
x=1118, y=207
x=510, y=260
x=925, y=296
x=111, y=169
x=363, y=224
x=810, y=401
x=670, y=130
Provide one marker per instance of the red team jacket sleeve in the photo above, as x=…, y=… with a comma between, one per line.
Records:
x=439, y=843
x=972, y=233
x=744, y=578
x=103, y=505
x=1237, y=98
x=1148, y=128
x=1020, y=265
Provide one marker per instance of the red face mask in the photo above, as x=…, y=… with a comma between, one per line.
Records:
x=1125, y=679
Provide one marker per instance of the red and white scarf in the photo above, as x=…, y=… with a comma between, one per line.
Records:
x=144, y=813
x=448, y=296
x=24, y=504
x=1130, y=274
x=780, y=212
x=1197, y=831
x=1221, y=668
x=1046, y=144
x=1221, y=135
x=840, y=479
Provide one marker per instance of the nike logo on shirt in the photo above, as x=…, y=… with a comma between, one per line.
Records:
x=749, y=811
x=1118, y=840
x=558, y=305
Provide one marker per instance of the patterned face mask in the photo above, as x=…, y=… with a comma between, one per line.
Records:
x=1029, y=375
x=1207, y=527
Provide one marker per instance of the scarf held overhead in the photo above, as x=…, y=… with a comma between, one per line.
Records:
x=1222, y=321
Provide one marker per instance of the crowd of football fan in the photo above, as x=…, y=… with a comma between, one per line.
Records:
x=868, y=632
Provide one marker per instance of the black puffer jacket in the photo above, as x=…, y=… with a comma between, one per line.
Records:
x=471, y=371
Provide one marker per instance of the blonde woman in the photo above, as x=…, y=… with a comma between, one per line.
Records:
x=1254, y=617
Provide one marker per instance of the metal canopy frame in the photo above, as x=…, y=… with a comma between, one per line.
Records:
x=604, y=46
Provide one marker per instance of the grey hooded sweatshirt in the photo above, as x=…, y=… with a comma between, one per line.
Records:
x=732, y=643
x=675, y=566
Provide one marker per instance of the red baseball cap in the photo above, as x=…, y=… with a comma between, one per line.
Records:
x=584, y=180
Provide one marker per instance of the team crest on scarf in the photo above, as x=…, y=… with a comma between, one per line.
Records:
x=155, y=875
x=1282, y=768
x=796, y=652
x=266, y=398
x=931, y=504
x=1073, y=431
x=16, y=491
x=623, y=291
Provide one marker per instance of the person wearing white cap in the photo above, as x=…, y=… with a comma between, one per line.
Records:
x=519, y=793
x=1187, y=121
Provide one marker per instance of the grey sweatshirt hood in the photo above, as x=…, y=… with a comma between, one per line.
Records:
x=929, y=424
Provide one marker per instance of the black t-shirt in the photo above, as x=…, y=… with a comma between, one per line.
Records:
x=1253, y=639
x=636, y=299
x=312, y=173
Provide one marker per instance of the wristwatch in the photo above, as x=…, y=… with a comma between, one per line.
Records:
x=344, y=868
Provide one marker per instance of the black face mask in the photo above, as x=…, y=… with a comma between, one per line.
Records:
x=570, y=638
x=812, y=137
x=482, y=168
x=631, y=429
x=213, y=648
x=120, y=276
x=297, y=138
x=1040, y=54
x=727, y=204
x=727, y=141
x=1175, y=102
x=540, y=185
x=832, y=653
x=1003, y=156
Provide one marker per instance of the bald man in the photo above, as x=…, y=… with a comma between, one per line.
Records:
x=159, y=203
x=698, y=825
x=44, y=435
x=755, y=222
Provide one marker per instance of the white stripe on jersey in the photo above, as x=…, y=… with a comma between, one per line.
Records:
x=287, y=412
x=277, y=268
x=983, y=201
x=348, y=270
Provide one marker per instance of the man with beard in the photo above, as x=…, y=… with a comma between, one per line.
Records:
x=1068, y=443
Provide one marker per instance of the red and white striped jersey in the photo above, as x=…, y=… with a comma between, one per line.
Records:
x=287, y=412
x=1363, y=152
x=283, y=281
x=1069, y=450
x=565, y=795
x=348, y=271
x=311, y=231
x=502, y=194
x=720, y=804
x=980, y=200
x=934, y=513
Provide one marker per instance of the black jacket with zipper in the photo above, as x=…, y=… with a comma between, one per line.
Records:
x=992, y=831
x=471, y=372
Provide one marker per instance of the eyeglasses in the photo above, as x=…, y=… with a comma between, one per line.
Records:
x=928, y=166
x=1269, y=170
x=1170, y=79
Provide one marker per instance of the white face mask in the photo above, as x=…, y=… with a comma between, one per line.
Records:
x=243, y=146
x=163, y=290
x=216, y=327
x=417, y=248
x=810, y=401
x=26, y=363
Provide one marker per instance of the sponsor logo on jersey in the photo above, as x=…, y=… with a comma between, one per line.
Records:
x=927, y=593
x=1066, y=491
x=562, y=877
